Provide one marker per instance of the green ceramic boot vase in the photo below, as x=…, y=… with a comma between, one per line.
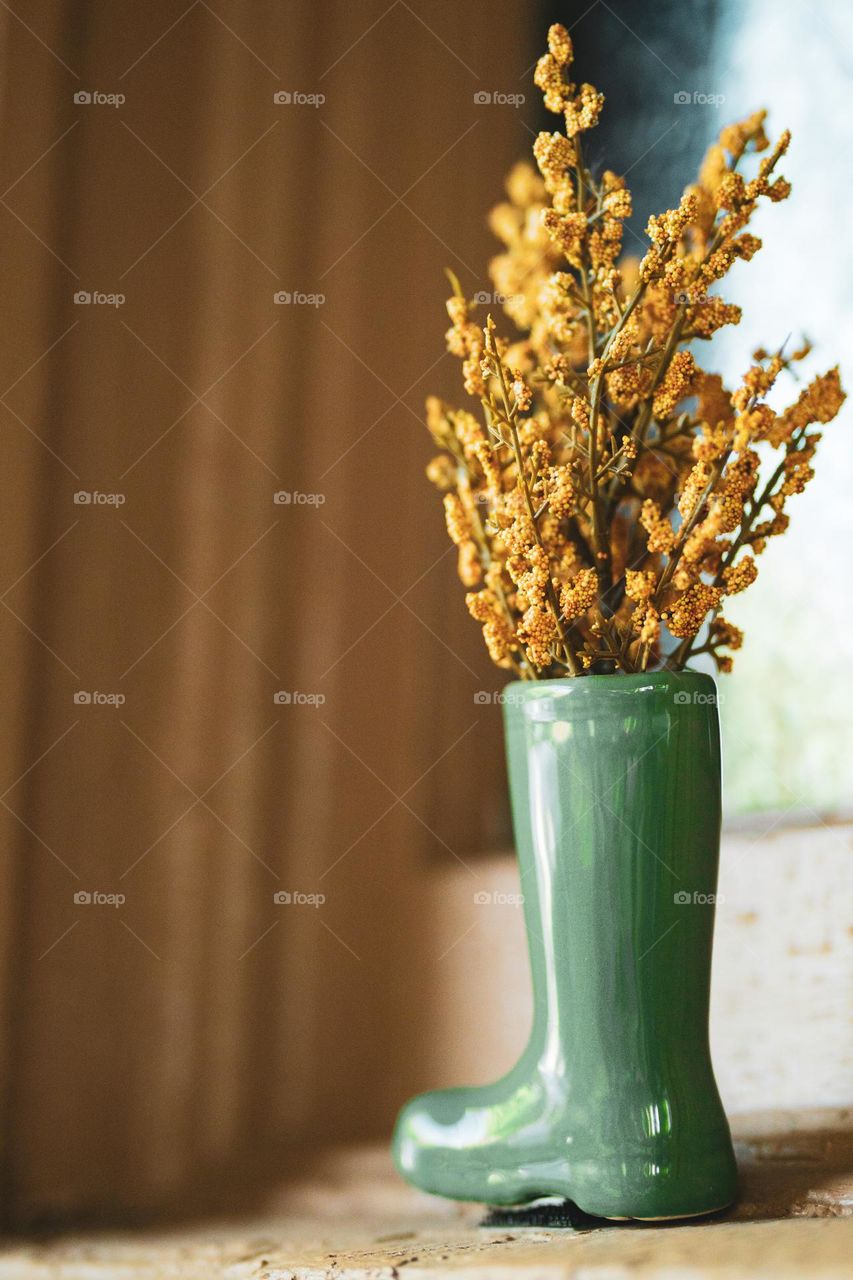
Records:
x=615, y=784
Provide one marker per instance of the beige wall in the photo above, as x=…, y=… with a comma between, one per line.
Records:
x=782, y=992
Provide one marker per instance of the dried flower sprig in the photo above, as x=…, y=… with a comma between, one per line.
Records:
x=614, y=494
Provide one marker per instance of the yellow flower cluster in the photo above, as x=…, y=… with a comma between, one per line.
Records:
x=613, y=493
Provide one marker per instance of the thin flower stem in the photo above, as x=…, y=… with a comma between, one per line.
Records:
x=511, y=414
x=757, y=506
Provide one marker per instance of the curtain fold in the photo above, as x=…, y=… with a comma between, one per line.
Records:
x=149, y=1045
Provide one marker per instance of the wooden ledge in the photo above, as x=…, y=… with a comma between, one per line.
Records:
x=349, y=1217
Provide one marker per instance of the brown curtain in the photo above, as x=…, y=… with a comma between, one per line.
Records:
x=199, y=1025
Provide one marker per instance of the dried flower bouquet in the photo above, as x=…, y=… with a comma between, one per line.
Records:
x=614, y=493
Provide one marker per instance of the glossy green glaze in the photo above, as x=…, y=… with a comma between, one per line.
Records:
x=615, y=784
